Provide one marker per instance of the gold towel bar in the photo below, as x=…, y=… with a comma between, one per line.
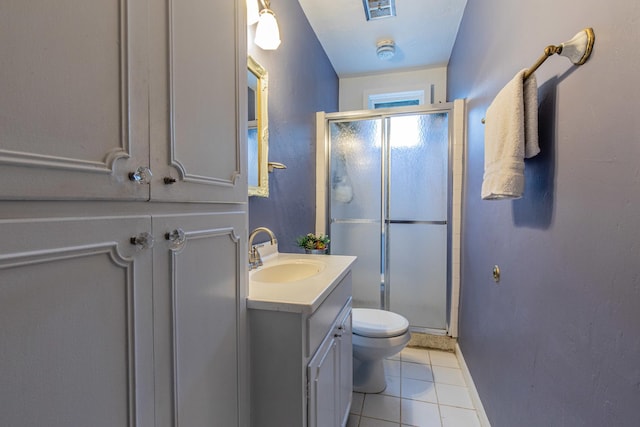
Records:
x=578, y=50
x=548, y=51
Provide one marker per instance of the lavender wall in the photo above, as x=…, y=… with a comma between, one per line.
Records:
x=301, y=82
x=557, y=342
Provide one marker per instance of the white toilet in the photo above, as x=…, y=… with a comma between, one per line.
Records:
x=377, y=334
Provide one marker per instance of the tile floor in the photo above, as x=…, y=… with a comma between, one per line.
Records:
x=425, y=388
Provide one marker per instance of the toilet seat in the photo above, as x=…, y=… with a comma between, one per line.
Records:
x=372, y=323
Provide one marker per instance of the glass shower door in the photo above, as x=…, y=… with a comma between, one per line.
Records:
x=389, y=199
x=355, y=199
x=416, y=216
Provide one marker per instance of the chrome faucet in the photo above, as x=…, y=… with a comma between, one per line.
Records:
x=255, y=260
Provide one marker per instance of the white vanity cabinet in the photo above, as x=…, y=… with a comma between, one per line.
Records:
x=301, y=362
x=92, y=95
x=330, y=376
x=345, y=382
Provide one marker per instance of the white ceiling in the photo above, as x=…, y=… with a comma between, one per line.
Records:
x=424, y=32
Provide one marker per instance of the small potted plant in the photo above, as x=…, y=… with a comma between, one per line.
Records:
x=314, y=243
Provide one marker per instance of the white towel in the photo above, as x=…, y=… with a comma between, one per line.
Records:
x=510, y=136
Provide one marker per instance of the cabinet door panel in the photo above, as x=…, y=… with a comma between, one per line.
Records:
x=76, y=316
x=322, y=374
x=199, y=295
x=199, y=125
x=346, y=367
x=73, y=111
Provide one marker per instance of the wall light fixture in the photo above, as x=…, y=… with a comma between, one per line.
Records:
x=253, y=13
x=267, y=32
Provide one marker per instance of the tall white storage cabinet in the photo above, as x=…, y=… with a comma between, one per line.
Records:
x=123, y=213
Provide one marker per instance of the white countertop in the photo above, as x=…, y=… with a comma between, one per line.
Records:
x=301, y=296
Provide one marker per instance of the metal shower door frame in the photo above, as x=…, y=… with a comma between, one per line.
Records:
x=385, y=115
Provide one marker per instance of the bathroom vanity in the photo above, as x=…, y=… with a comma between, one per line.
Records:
x=300, y=341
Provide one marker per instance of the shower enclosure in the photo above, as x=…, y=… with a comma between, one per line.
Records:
x=388, y=200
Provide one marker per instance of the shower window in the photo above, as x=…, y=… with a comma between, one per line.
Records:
x=395, y=99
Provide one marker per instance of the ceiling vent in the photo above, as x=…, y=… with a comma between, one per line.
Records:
x=378, y=9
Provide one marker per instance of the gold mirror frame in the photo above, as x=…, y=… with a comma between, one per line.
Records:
x=262, y=126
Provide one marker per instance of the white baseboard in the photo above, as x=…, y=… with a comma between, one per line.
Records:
x=475, y=397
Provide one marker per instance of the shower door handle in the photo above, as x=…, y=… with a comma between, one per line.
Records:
x=411, y=221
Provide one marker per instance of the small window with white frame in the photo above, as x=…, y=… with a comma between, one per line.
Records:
x=395, y=99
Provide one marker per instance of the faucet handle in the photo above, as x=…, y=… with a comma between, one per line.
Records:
x=255, y=260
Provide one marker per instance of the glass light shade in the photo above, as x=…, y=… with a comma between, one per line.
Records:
x=252, y=12
x=267, y=32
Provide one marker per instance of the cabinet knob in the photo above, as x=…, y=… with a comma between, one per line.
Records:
x=142, y=175
x=176, y=238
x=142, y=241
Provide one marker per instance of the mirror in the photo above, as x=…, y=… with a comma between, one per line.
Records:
x=258, y=130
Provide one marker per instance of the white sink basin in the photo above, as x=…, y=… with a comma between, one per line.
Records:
x=289, y=271
x=296, y=283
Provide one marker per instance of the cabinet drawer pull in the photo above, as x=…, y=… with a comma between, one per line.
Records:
x=142, y=241
x=142, y=175
x=169, y=180
x=176, y=238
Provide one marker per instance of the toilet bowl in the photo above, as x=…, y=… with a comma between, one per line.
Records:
x=377, y=334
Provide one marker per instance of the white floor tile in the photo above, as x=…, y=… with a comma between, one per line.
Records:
x=372, y=422
x=425, y=388
x=451, y=376
x=393, y=387
x=391, y=368
x=458, y=417
x=454, y=395
x=420, y=414
x=353, y=420
x=424, y=391
x=416, y=371
x=443, y=358
x=415, y=355
x=382, y=407
x=357, y=399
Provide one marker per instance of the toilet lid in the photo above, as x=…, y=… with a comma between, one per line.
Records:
x=368, y=322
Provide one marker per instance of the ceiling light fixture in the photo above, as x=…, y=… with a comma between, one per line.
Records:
x=267, y=32
x=386, y=49
x=253, y=14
